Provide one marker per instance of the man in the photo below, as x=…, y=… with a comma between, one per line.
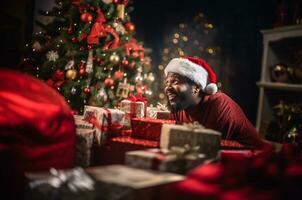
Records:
x=193, y=96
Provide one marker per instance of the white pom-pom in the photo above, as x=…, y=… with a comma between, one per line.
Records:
x=211, y=88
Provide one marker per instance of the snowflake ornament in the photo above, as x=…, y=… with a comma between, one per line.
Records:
x=52, y=55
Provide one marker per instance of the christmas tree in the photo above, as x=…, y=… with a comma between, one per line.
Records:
x=87, y=51
x=195, y=38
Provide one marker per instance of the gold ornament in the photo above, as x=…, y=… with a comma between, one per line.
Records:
x=120, y=11
x=71, y=74
x=115, y=59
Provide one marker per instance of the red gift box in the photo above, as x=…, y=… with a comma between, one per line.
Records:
x=148, y=128
x=115, y=149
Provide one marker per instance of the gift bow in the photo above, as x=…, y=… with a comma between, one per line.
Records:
x=194, y=125
x=76, y=180
x=183, y=152
x=138, y=98
x=162, y=107
x=99, y=30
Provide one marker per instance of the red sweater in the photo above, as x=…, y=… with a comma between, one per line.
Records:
x=221, y=113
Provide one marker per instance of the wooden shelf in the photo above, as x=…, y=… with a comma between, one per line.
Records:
x=280, y=86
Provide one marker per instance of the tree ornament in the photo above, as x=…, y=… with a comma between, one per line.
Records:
x=115, y=59
x=74, y=40
x=132, y=65
x=89, y=46
x=69, y=65
x=120, y=8
x=82, y=71
x=71, y=74
x=73, y=91
x=118, y=75
x=86, y=17
x=108, y=82
x=125, y=62
x=69, y=30
x=107, y=1
x=102, y=93
x=87, y=90
x=89, y=65
x=52, y=56
x=123, y=89
x=119, y=28
x=59, y=74
x=130, y=27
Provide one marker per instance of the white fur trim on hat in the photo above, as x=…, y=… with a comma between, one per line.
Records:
x=188, y=69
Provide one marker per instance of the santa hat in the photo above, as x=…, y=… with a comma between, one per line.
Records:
x=195, y=69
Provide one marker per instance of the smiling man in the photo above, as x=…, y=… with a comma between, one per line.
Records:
x=193, y=96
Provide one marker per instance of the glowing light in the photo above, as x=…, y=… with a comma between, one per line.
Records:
x=185, y=38
x=175, y=41
x=176, y=35
x=161, y=96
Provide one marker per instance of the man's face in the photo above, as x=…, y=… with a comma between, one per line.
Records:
x=179, y=92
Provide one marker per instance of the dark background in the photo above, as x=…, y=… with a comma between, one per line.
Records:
x=238, y=23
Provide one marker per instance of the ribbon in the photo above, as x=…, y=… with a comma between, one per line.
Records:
x=194, y=125
x=132, y=46
x=76, y=180
x=184, y=152
x=138, y=98
x=161, y=107
x=112, y=128
x=100, y=30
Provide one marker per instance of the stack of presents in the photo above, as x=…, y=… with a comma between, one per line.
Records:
x=130, y=148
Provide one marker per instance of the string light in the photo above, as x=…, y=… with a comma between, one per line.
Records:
x=161, y=96
x=175, y=41
x=176, y=35
x=160, y=67
x=185, y=38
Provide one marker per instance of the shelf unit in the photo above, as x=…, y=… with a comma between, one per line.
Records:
x=279, y=45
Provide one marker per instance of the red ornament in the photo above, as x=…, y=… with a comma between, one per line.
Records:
x=82, y=71
x=69, y=30
x=125, y=62
x=118, y=75
x=74, y=39
x=129, y=27
x=108, y=82
x=86, y=17
x=132, y=65
x=86, y=90
x=59, y=74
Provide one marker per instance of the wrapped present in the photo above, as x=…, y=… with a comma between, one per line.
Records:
x=107, y=183
x=81, y=123
x=74, y=184
x=124, y=182
x=148, y=128
x=115, y=149
x=192, y=134
x=84, y=146
x=159, y=112
x=108, y=122
x=177, y=160
x=134, y=107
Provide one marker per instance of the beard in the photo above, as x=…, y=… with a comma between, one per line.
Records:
x=183, y=101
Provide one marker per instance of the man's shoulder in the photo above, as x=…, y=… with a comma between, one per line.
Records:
x=219, y=97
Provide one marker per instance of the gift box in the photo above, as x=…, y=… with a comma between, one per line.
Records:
x=84, y=146
x=134, y=107
x=148, y=128
x=159, y=112
x=108, y=122
x=115, y=149
x=73, y=184
x=106, y=183
x=81, y=123
x=124, y=182
x=168, y=161
x=191, y=134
